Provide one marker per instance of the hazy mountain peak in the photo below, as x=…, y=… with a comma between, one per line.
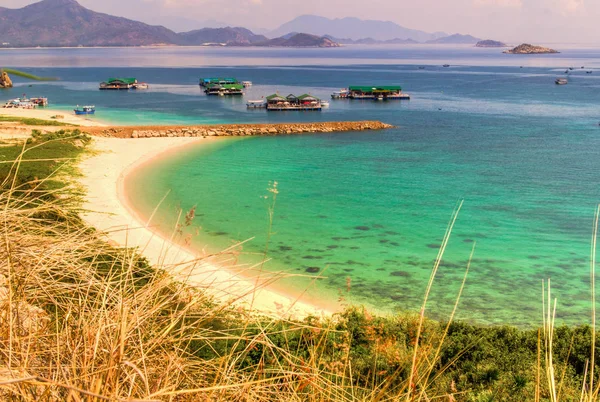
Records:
x=352, y=28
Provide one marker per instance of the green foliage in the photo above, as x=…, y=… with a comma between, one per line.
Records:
x=29, y=76
x=28, y=121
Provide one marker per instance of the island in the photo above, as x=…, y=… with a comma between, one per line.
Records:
x=526, y=48
x=490, y=43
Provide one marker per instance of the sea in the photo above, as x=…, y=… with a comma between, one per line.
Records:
x=359, y=217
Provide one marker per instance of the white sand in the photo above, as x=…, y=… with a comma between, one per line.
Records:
x=103, y=177
x=46, y=114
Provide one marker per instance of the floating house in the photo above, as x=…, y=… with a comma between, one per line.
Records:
x=224, y=89
x=376, y=92
x=205, y=82
x=118, y=84
x=293, y=102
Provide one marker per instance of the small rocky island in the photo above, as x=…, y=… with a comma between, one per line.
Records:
x=5, y=81
x=490, y=43
x=526, y=48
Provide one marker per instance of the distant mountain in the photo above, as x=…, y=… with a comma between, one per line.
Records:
x=490, y=43
x=228, y=35
x=371, y=41
x=353, y=28
x=456, y=39
x=300, y=40
x=183, y=24
x=66, y=23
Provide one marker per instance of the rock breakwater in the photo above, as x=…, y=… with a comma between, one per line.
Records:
x=238, y=130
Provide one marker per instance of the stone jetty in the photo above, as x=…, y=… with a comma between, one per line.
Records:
x=236, y=130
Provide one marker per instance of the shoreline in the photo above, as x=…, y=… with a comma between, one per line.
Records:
x=107, y=209
x=48, y=114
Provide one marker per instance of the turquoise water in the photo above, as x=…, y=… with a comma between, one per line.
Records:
x=373, y=207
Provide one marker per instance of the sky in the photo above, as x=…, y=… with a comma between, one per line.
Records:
x=540, y=21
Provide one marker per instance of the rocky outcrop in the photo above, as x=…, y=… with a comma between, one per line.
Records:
x=526, y=48
x=239, y=130
x=5, y=81
x=490, y=43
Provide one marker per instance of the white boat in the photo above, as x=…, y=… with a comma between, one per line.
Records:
x=561, y=81
x=140, y=85
x=341, y=94
x=247, y=84
x=256, y=104
x=324, y=103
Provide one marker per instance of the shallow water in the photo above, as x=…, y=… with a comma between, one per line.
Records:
x=374, y=206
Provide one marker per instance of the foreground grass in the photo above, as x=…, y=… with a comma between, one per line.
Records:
x=82, y=320
x=29, y=121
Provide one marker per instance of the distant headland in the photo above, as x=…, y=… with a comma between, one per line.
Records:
x=526, y=48
x=490, y=43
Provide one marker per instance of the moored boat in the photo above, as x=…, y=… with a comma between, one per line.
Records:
x=85, y=110
x=561, y=81
x=256, y=104
x=247, y=84
x=324, y=104
x=341, y=94
x=140, y=85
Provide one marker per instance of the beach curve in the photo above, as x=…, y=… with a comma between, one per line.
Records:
x=106, y=208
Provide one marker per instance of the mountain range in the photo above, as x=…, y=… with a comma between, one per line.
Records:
x=353, y=29
x=67, y=23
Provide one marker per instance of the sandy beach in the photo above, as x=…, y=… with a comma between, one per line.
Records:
x=48, y=114
x=106, y=209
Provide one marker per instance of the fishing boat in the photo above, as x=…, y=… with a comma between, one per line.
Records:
x=85, y=110
x=247, y=84
x=256, y=104
x=561, y=81
x=341, y=94
x=324, y=104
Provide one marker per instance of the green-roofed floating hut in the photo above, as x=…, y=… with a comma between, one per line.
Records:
x=224, y=89
x=205, y=82
x=382, y=92
x=292, y=102
x=118, y=84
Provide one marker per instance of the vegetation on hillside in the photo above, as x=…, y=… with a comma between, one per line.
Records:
x=83, y=320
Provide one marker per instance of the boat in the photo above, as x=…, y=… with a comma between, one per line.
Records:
x=446, y=65
x=85, y=110
x=247, y=84
x=561, y=81
x=19, y=103
x=324, y=104
x=588, y=72
x=566, y=71
x=341, y=94
x=421, y=68
x=39, y=101
x=140, y=85
x=256, y=104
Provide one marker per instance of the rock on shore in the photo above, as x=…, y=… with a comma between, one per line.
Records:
x=237, y=130
x=526, y=48
x=5, y=81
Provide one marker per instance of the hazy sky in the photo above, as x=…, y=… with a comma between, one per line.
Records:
x=509, y=20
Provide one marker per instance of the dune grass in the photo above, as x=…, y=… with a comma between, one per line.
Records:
x=83, y=320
